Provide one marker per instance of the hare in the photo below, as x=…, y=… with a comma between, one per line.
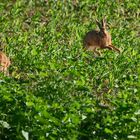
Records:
x=4, y=63
x=99, y=39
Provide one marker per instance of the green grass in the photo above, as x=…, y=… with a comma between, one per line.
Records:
x=57, y=90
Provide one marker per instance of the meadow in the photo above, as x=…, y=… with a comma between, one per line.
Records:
x=58, y=91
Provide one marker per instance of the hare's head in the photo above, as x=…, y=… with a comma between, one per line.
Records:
x=102, y=25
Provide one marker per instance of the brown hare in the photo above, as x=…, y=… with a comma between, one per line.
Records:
x=4, y=63
x=99, y=39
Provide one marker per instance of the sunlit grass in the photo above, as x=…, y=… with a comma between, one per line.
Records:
x=56, y=89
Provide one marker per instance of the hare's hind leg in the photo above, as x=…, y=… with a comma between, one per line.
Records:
x=97, y=52
x=94, y=49
x=116, y=49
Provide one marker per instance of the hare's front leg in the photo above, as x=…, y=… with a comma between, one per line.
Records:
x=116, y=49
x=107, y=47
x=6, y=72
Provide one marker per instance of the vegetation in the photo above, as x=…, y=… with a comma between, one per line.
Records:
x=56, y=89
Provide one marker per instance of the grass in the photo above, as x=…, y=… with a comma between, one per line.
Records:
x=57, y=90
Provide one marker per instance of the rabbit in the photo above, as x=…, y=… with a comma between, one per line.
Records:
x=4, y=63
x=99, y=39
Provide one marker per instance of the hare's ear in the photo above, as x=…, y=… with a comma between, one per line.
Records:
x=98, y=23
x=104, y=22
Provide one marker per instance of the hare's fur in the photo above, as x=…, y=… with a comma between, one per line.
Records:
x=99, y=39
x=4, y=63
